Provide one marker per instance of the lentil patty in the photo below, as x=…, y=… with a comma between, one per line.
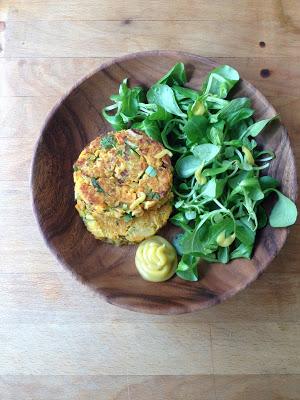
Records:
x=123, y=184
x=123, y=172
x=121, y=231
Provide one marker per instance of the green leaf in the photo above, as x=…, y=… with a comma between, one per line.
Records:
x=163, y=96
x=198, y=107
x=189, y=275
x=209, y=257
x=262, y=217
x=115, y=97
x=215, y=103
x=267, y=182
x=179, y=203
x=220, y=185
x=237, y=131
x=233, y=106
x=168, y=128
x=218, y=170
x=190, y=215
x=130, y=104
x=180, y=220
x=194, y=241
x=239, y=115
x=184, y=186
x=203, y=239
x=186, y=166
x=242, y=251
x=160, y=114
x=187, y=268
x=182, y=93
x=237, y=179
x=229, y=152
x=220, y=81
x=226, y=224
x=215, y=133
x=284, y=213
x=243, y=233
x=255, y=129
x=253, y=188
x=209, y=189
x=206, y=152
x=129, y=99
x=223, y=255
x=249, y=188
x=176, y=241
x=151, y=128
x=153, y=112
x=195, y=128
x=175, y=76
x=116, y=121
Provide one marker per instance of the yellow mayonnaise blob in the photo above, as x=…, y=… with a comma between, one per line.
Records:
x=156, y=259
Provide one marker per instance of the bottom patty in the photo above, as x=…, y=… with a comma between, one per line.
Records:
x=121, y=231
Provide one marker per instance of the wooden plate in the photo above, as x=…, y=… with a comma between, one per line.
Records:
x=108, y=269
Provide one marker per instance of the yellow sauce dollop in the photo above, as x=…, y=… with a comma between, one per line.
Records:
x=156, y=259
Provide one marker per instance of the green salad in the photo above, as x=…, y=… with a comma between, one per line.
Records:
x=219, y=180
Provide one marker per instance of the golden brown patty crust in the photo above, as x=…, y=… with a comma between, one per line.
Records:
x=123, y=231
x=123, y=172
x=123, y=183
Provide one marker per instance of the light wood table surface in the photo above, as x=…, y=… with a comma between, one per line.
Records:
x=58, y=340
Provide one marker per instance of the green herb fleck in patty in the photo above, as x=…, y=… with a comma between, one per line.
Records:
x=128, y=217
x=96, y=185
x=150, y=171
x=108, y=142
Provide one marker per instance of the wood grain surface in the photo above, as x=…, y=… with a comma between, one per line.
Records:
x=58, y=340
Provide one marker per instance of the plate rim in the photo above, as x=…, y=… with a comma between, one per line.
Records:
x=168, y=309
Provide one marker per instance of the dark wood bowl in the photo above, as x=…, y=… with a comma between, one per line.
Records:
x=108, y=269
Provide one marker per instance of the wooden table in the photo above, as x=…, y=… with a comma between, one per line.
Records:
x=56, y=344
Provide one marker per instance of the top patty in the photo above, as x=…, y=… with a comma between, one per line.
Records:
x=123, y=172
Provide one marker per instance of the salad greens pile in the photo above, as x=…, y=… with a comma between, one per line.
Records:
x=217, y=184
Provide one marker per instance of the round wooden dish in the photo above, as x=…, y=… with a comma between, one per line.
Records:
x=108, y=269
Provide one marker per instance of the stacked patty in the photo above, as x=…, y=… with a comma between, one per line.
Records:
x=123, y=184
